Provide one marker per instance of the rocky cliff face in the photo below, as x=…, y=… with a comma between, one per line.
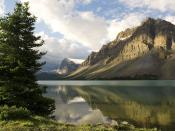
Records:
x=67, y=66
x=135, y=52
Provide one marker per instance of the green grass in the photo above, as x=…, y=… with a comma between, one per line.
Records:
x=37, y=123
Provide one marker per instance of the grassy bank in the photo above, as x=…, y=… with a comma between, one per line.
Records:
x=37, y=123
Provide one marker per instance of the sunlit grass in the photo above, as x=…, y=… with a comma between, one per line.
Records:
x=37, y=123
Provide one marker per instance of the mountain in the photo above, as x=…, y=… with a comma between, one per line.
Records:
x=48, y=71
x=50, y=66
x=69, y=65
x=143, y=52
x=48, y=76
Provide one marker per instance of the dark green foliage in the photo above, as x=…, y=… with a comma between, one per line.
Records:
x=11, y=113
x=19, y=62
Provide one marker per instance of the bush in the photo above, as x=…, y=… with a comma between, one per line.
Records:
x=11, y=113
x=42, y=106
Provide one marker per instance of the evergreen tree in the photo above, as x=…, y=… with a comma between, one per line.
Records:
x=19, y=62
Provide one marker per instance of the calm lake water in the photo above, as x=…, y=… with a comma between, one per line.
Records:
x=142, y=103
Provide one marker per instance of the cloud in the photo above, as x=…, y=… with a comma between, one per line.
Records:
x=83, y=31
x=1, y=7
x=57, y=49
x=128, y=21
x=170, y=19
x=161, y=5
x=86, y=1
x=65, y=48
x=80, y=26
x=60, y=15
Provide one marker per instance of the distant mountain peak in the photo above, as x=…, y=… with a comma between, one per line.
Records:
x=69, y=65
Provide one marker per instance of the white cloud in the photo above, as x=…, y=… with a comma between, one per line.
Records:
x=57, y=49
x=60, y=16
x=128, y=21
x=1, y=7
x=170, y=19
x=161, y=5
x=82, y=27
x=86, y=1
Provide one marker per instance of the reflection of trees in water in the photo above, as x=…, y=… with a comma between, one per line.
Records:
x=148, y=114
x=145, y=106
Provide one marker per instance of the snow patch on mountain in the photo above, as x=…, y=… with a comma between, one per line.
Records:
x=77, y=61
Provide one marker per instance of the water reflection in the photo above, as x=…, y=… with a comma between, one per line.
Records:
x=144, y=106
x=72, y=108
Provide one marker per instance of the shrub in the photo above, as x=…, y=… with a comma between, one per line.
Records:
x=10, y=113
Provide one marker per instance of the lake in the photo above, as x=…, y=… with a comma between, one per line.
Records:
x=141, y=103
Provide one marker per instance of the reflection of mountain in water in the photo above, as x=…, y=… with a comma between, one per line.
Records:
x=143, y=106
x=72, y=108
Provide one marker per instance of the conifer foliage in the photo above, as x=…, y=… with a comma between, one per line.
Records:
x=19, y=62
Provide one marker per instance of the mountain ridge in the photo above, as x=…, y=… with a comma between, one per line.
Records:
x=133, y=51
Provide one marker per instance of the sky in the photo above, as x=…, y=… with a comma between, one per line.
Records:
x=74, y=28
